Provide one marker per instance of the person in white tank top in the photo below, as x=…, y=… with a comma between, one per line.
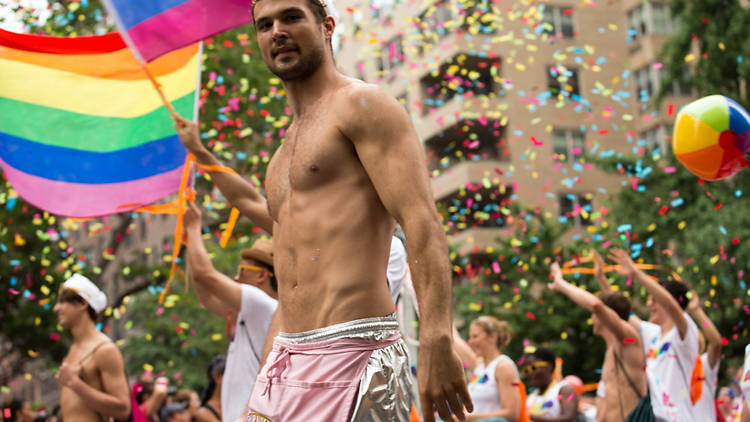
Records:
x=494, y=384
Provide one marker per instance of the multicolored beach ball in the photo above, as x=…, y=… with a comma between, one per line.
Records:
x=712, y=137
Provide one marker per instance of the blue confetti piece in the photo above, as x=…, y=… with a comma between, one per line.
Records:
x=13, y=281
x=677, y=202
x=624, y=227
x=11, y=203
x=723, y=230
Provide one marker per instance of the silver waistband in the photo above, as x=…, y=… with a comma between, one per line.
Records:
x=376, y=329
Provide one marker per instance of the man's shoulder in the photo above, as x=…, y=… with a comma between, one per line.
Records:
x=362, y=98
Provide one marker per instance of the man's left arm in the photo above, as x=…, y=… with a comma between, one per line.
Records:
x=114, y=400
x=389, y=149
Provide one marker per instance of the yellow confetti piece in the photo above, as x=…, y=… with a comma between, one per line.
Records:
x=714, y=259
x=564, y=335
x=689, y=58
x=148, y=368
x=722, y=47
x=682, y=225
x=216, y=337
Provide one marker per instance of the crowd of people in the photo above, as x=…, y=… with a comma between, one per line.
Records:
x=662, y=369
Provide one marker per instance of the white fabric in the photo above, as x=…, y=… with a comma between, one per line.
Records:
x=396, y=267
x=245, y=351
x=483, y=386
x=669, y=364
x=547, y=403
x=85, y=288
x=705, y=407
x=745, y=381
x=601, y=389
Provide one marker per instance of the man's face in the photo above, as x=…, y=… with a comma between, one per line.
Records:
x=68, y=312
x=249, y=272
x=656, y=312
x=291, y=39
x=538, y=372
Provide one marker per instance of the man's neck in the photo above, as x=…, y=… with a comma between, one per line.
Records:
x=666, y=326
x=83, y=331
x=303, y=93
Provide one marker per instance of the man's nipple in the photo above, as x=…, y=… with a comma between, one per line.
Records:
x=314, y=168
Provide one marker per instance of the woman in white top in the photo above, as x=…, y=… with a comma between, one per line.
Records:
x=494, y=385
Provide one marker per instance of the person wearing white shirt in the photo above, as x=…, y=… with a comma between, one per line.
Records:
x=249, y=301
x=494, y=385
x=705, y=407
x=670, y=342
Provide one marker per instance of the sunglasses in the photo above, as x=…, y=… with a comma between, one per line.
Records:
x=254, y=268
x=532, y=367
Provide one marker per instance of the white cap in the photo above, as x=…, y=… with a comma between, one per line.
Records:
x=96, y=298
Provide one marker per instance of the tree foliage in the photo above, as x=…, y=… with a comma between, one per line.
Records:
x=710, y=41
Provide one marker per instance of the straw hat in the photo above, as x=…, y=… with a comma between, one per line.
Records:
x=262, y=250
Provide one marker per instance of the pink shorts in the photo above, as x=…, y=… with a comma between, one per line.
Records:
x=354, y=371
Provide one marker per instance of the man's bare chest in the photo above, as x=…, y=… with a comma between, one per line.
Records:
x=312, y=156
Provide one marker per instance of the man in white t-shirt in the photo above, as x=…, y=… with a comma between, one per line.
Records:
x=705, y=407
x=249, y=301
x=670, y=342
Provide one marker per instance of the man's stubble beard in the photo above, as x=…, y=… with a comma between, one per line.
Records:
x=305, y=66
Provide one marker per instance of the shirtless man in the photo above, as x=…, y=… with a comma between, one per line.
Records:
x=92, y=376
x=351, y=163
x=622, y=372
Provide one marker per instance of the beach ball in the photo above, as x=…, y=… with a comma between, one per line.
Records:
x=712, y=137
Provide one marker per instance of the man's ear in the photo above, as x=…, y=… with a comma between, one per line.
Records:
x=330, y=26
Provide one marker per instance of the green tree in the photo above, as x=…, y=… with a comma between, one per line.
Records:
x=34, y=257
x=711, y=41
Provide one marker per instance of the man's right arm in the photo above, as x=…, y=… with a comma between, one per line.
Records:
x=217, y=292
x=593, y=304
x=659, y=293
x=238, y=191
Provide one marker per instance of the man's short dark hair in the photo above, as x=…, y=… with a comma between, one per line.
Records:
x=69, y=296
x=544, y=355
x=315, y=5
x=678, y=291
x=618, y=303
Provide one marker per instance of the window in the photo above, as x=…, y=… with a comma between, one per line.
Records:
x=431, y=24
x=477, y=208
x=561, y=80
x=650, y=18
x=656, y=140
x=558, y=21
x=468, y=140
x=645, y=82
x=648, y=80
x=576, y=206
x=391, y=55
x=462, y=75
x=568, y=144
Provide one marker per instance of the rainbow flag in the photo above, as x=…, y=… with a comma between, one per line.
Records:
x=154, y=27
x=83, y=132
